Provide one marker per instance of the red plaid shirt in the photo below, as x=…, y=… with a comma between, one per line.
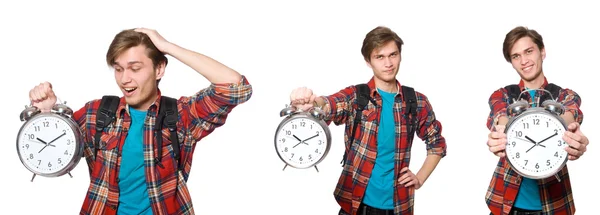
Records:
x=556, y=196
x=360, y=159
x=199, y=115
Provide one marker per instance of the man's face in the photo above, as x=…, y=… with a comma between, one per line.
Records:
x=385, y=62
x=526, y=58
x=136, y=76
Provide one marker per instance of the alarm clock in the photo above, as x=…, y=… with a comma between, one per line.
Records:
x=534, y=147
x=302, y=139
x=49, y=144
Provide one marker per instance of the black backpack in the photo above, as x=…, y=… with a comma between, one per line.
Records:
x=514, y=91
x=362, y=99
x=167, y=117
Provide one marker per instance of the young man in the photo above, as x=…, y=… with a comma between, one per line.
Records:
x=510, y=193
x=376, y=178
x=129, y=172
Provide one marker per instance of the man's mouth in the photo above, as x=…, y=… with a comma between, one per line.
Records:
x=129, y=89
x=527, y=68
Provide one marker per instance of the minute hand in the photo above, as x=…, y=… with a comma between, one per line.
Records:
x=539, y=143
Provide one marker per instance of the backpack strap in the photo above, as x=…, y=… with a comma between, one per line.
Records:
x=105, y=116
x=553, y=89
x=513, y=92
x=362, y=100
x=167, y=117
x=410, y=98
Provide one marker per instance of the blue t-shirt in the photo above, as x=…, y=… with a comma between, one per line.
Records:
x=133, y=197
x=528, y=196
x=380, y=189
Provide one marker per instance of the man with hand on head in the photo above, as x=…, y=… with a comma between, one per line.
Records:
x=376, y=178
x=509, y=192
x=133, y=168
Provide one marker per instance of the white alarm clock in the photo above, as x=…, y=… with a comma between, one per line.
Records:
x=535, y=148
x=302, y=139
x=49, y=144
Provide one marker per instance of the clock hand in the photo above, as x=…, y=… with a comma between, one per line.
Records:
x=518, y=138
x=296, y=137
x=548, y=138
x=530, y=148
x=42, y=142
x=63, y=134
x=42, y=148
x=530, y=139
x=310, y=137
x=299, y=141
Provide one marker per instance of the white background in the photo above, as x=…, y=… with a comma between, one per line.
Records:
x=280, y=46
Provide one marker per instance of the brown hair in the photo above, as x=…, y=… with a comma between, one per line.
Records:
x=127, y=39
x=518, y=33
x=376, y=38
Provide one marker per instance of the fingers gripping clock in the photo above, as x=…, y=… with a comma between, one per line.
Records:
x=49, y=144
x=302, y=139
x=535, y=148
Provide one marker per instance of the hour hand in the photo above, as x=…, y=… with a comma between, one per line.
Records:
x=530, y=140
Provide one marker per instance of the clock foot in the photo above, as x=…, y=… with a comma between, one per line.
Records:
x=70, y=174
x=284, y=167
x=316, y=168
x=32, y=177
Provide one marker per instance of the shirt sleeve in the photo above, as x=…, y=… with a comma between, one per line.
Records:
x=571, y=102
x=209, y=108
x=498, y=102
x=338, y=106
x=429, y=128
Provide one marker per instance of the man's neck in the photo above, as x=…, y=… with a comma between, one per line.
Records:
x=390, y=87
x=535, y=83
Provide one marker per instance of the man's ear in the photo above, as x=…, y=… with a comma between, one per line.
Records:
x=160, y=70
x=543, y=52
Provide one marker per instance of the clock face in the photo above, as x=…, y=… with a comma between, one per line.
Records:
x=301, y=142
x=535, y=147
x=46, y=144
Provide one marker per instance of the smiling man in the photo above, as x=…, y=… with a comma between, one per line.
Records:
x=376, y=178
x=508, y=192
x=132, y=169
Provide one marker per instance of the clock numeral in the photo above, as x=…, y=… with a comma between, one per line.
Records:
x=519, y=133
x=320, y=142
x=49, y=164
x=302, y=124
x=286, y=149
x=59, y=161
x=525, y=126
x=68, y=142
x=288, y=132
x=548, y=163
x=27, y=146
x=514, y=143
x=292, y=155
x=31, y=156
x=311, y=126
x=300, y=159
x=46, y=124
x=39, y=162
x=318, y=132
x=560, y=143
x=31, y=136
x=518, y=155
x=555, y=130
x=294, y=126
x=526, y=161
x=37, y=128
x=536, y=121
x=282, y=140
x=547, y=124
x=310, y=157
x=537, y=165
x=64, y=131
x=556, y=154
x=317, y=151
